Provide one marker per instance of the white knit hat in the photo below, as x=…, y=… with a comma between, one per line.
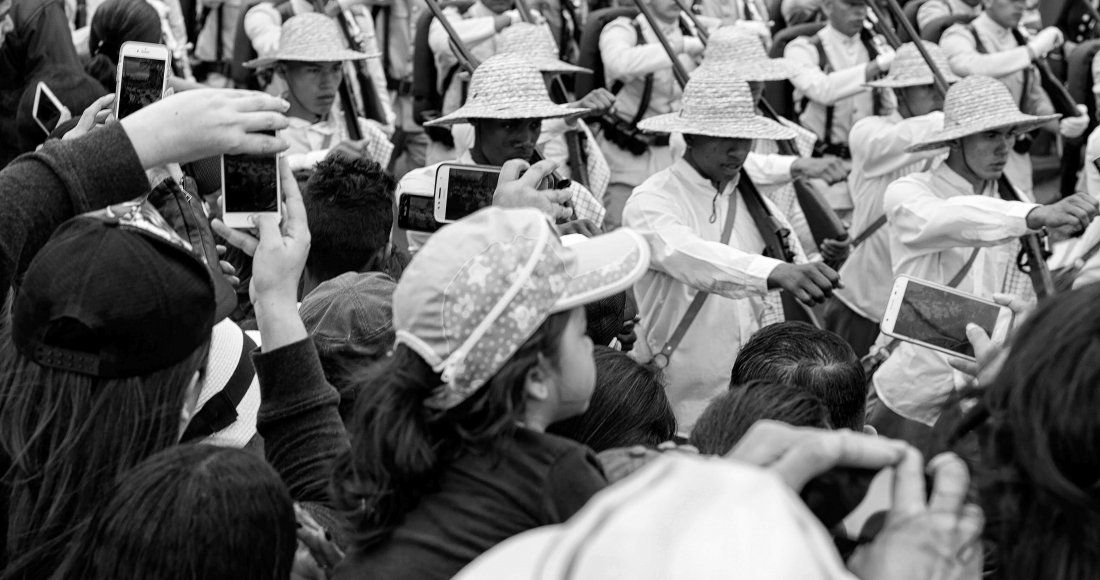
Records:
x=910, y=70
x=309, y=37
x=535, y=43
x=977, y=104
x=507, y=86
x=717, y=105
x=737, y=51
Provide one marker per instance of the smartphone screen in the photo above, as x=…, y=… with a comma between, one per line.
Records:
x=251, y=183
x=417, y=213
x=931, y=315
x=47, y=112
x=142, y=84
x=469, y=190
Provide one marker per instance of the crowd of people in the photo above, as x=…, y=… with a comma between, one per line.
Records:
x=652, y=350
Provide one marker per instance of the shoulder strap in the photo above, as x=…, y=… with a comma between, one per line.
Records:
x=771, y=229
x=661, y=359
x=647, y=88
x=978, y=45
x=1026, y=88
x=1032, y=260
x=823, y=64
x=870, y=231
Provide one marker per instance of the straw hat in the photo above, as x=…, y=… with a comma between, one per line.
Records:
x=738, y=51
x=309, y=38
x=910, y=70
x=507, y=86
x=535, y=43
x=977, y=104
x=717, y=105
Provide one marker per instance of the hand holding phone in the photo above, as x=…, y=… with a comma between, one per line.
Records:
x=461, y=190
x=142, y=76
x=250, y=188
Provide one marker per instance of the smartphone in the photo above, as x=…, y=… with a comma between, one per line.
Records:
x=250, y=186
x=417, y=213
x=935, y=316
x=142, y=76
x=47, y=109
x=460, y=190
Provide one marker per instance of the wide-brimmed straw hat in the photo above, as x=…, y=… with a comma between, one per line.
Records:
x=507, y=86
x=309, y=38
x=536, y=44
x=480, y=287
x=717, y=105
x=738, y=52
x=910, y=69
x=977, y=104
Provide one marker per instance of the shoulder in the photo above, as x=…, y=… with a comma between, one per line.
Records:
x=418, y=181
x=620, y=25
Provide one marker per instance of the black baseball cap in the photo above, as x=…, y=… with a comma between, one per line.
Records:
x=117, y=296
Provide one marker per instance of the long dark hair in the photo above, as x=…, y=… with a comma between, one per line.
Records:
x=67, y=437
x=1039, y=476
x=190, y=511
x=116, y=22
x=399, y=446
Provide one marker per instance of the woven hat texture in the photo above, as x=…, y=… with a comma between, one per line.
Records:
x=717, y=105
x=910, y=70
x=977, y=104
x=507, y=86
x=535, y=43
x=738, y=52
x=310, y=38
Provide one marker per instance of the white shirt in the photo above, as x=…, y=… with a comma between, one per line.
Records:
x=672, y=210
x=878, y=158
x=477, y=29
x=310, y=142
x=771, y=172
x=935, y=222
x=935, y=9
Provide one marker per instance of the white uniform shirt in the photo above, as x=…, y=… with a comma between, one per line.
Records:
x=879, y=158
x=935, y=222
x=935, y=9
x=309, y=143
x=672, y=210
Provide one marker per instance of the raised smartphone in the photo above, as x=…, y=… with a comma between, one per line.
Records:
x=47, y=109
x=250, y=187
x=142, y=76
x=417, y=213
x=460, y=190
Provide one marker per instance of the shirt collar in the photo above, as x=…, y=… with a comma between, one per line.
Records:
x=987, y=25
x=957, y=182
x=695, y=180
x=838, y=36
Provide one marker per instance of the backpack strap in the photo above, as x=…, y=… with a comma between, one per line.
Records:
x=647, y=88
x=823, y=64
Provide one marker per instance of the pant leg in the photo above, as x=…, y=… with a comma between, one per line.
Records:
x=857, y=330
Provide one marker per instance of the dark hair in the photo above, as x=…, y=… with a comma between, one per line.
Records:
x=399, y=447
x=349, y=204
x=68, y=437
x=191, y=511
x=730, y=415
x=1040, y=448
x=116, y=22
x=817, y=360
x=629, y=406
x=605, y=318
x=75, y=89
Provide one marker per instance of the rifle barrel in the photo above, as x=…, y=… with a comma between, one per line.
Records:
x=700, y=30
x=465, y=58
x=678, y=69
x=899, y=15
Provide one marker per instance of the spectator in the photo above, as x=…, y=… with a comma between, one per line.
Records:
x=76, y=91
x=629, y=406
x=117, y=22
x=730, y=415
x=814, y=360
x=191, y=511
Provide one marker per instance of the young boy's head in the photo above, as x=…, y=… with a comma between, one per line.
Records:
x=730, y=415
x=311, y=86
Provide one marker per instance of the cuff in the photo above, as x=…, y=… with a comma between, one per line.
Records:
x=288, y=373
x=1017, y=217
x=759, y=269
x=112, y=179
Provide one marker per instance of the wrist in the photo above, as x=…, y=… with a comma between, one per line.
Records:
x=1034, y=219
x=145, y=143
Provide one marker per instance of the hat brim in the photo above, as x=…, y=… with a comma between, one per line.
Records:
x=888, y=83
x=1018, y=121
x=471, y=112
x=553, y=65
x=772, y=69
x=603, y=266
x=335, y=56
x=756, y=127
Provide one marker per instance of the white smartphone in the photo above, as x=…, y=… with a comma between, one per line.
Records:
x=460, y=190
x=417, y=213
x=250, y=187
x=142, y=76
x=48, y=110
x=935, y=316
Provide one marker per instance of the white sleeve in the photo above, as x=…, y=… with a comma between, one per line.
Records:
x=472, y=31
x=769, y=168
x=623, y=58
x=263, y=25
x=965, y=60
x=305, y=161
x=880, y=144
x=826, y=89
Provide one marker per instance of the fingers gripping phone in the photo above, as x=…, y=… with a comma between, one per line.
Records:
x=250, y=187
x=48, y=110
x=935, y=316
x=461, y=190
x=142, y=76
x=417, y=213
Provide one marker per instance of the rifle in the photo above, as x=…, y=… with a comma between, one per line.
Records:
x=465, y=58
x=678, y=69
x=878, y=23
x=700, y=30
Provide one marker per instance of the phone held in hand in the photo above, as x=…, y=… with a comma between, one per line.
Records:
x=250, y=187
x=47, y=108
x=935, y=316
x=417, y=213
x=142, y=76
x=461, y=190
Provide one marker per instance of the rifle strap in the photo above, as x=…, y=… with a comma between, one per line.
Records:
x=661, y=359
x=980, y=47
x=1031, y=248
x=870, y=231
x=647, y=88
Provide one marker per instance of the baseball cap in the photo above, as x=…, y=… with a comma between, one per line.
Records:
x=115, y=294
x=480, y=287
x=352, y=313
x=680, y=517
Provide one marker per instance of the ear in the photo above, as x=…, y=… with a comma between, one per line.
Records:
x=869, y=430
x=539, y=381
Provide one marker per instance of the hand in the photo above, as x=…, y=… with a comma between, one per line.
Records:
x=98, y=113
x=1075, y=212
x=799, y=454
x=598, y=101
x=884, y=60
x=990, y=356
x=1045, y=41
x=760, y=29
x=349, y=149
x=693, y=46
x=1074, y=127
x=583, y=227
x=835, y=251
x=323, y=555
x=810, y=283
x=515, y=191
x=938, y=538
x=831, y=169
x=206, y=122
x=227, y=269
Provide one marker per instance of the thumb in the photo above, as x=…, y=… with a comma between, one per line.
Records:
x=538, y=172
x=978, y=338
x=511, y=170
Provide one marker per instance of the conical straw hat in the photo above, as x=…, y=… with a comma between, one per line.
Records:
x=910, y=70
x=977, y=104
x=310, y=38
x=717, y=105
x=738, y=52
x=507, y=86
x=535, y=43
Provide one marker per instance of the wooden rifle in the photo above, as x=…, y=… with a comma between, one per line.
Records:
x=372, y=103
x=678, y=69
x=700, y=30
x=465, y=58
